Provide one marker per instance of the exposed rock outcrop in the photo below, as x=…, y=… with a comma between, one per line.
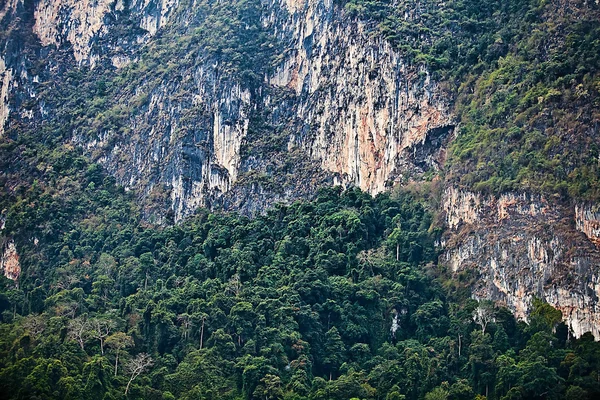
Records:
x=362, y=109
x=520, y=246
x=5, y=82
x=77, y=22
x=81, y=22
x=9, y=261
x=352, y=104
x=9, y=7
x=587, y=220
x=154, y=13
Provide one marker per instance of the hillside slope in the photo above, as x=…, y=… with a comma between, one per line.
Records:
x=240, y=105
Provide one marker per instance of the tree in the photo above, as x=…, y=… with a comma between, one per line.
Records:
x=481, y=360
x=334, y=351
x=234, y=286
x=79, y=330
x=35, y=325
x=97, y=377
x=242, y=318
x=460, y=390
x=501, y=344
x=576, y=393
x=269, y=388
x=103, y=288
x=146, y=264
x=118, y=341
x=437, y=394
x=430, y=319
x=395, y=238
x=484, y=314
x=138, y=366
x=353, y=385
x=100, y=329
x=543, y=316
x=202, y=331
x=186, y=322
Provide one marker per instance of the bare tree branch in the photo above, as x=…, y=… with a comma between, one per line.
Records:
x=137, y=366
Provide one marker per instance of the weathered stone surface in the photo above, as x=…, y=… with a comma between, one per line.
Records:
x=9, y=261
x=520, y=246
x=5, y=82
x=81, y=22
x=587, y=220
x=362, y=114
x=363, y=108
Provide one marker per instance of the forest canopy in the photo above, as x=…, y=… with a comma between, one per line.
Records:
x=335, y=298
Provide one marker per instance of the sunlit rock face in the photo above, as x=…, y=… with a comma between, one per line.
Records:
x=354, y=108
x=587, y=220
x=9, y=260
x=519, y=246
x=364, y=110
x=5, y=82
x=81, y=22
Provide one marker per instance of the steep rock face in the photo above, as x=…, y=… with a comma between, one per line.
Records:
x=81, y=22
x=155, y=13
x=77, y=22
x=193, y=162
x=587, y=220
x=5, y=86
x=9, y=7
x=361, y=111
x=351, y=104
x=9, y=261
x=517, y=246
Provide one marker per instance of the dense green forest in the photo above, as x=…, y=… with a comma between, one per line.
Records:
x=335, y=298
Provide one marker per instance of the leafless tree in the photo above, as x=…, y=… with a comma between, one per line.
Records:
x=137, y=366
x=484, y=314
x=101, y=328
x=78, y=330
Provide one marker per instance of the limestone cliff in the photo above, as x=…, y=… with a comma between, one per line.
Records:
x=81, y=23
x=9, y=261
x=5, y=81
x=362, y=109
x=587, y=220
x=352, y=104
x=517, y=246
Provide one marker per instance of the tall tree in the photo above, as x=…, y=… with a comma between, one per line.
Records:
x=79, y=330
x=137, y=366
x=335, y=351
x=118, y=341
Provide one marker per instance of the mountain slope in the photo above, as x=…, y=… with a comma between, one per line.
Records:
x=145, y=146
x=241, y=105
